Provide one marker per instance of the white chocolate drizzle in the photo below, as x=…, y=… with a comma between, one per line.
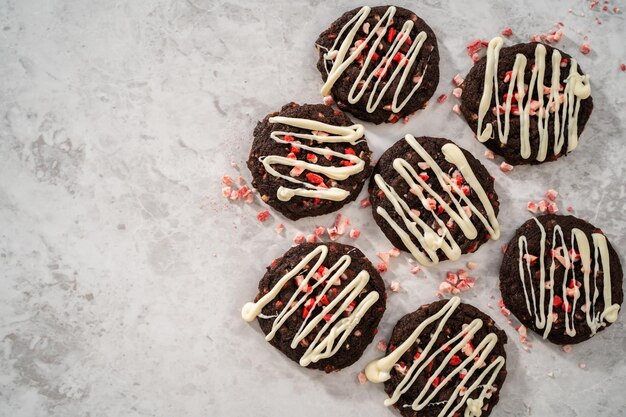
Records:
x=568, y=259
x=336, y=330
x=374, y=37
x=428, y=239
x=485, y=374
x=564, y=107
x=320, y=133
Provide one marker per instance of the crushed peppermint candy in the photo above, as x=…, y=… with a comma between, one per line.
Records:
x=504, y=167
x=263, y=215
x=489, y=154
x=442, y=98
x=298, y=239
x=552, y=194
x=280, y=228
x=394, y=252
x=585, y=48
x=456, y=109
x=474, y=47
x=394, y=286
x=311, y=238
x=328, y=100
x=455, y=283
x=458, y=80
x=381, y=345
x=567, y=348
x=457, y=92
x=507, y=31
x=472, y=265
x=355, y=233
x=365, y=202
x=382, y=267
x=362, y=378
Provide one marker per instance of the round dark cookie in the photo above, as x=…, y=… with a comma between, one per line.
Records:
x=426, y=66
x=463, y=315
x=363, y=333
x=512, y=289
x=268, y=185
x=473, y=88
x=402, y=149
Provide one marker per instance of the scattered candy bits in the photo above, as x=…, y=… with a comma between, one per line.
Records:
x=355, y=233
x=394, y=286
x=507, y=31
x=585, y=48
x=548, y=205
x=442, y=98
x=456, y=283
x=232, y=192
x=381, y=345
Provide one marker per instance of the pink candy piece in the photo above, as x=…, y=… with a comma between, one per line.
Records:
x=507, y=31
x=489, y=154
x=299, y=239
x=311, y=238
x=227, y=180
x=355, y=233
x=415, y=269
x=381, y=345
x=458, y=80
x=456, y=109
x=263, y=215
x=442, y=98
x=504, y=167
x=532, y=206
x=457, y=92
x=319, y=231
x=329, y=101
x=472, y=265
x=280, y=228
x=394, y=252
x=362, y=378
x=585, y=48
x=394, y=286
x=552, y=194
x=341, y=223
x=382, y=267
x=474, y=47
x=384, y=256
x=365, y=203
x=567, y=348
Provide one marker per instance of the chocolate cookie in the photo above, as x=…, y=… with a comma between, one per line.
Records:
x=308, y=160
x=562, y=278
x=528, y=102
x=433, y=199
x=446, y=358
x=320, y=304
x=379, y=63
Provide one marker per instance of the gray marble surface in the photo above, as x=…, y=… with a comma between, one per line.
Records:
x=123, y=270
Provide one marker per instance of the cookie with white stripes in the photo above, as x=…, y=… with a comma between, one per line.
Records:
x=528, y=103
x=561, y=277
x=444, y=359
x=433, y=199
x=379, y=63
x=308, y=160
x=320, y=304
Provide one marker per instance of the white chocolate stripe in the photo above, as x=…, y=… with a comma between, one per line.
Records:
x=577, y=88
x=568, y=257
x=337, y=134
x=428, y=239
x=332, y=338
x=379, y=370
x=362, y=81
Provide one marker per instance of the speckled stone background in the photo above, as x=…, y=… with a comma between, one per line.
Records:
x=123, y=269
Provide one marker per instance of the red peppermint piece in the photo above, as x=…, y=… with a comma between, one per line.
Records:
x=311, y=157
x=557, y=301
x=474, y=47
x=382, y=267
x=288, y=138
x=442, y=98
x=391, y=33
x=455, y=360
x=507, y=31
x=585, y=48
x=458, y=80
x=314, y=178
x=263, y=215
